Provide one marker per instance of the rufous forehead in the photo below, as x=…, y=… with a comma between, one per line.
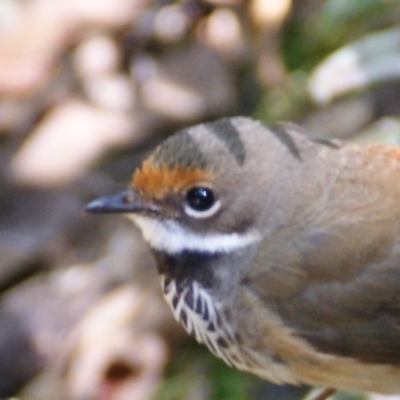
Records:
x=156, y=180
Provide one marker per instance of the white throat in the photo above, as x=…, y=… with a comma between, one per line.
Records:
x=168, y=236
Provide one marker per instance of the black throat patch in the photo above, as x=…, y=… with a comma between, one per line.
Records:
x=187, y=266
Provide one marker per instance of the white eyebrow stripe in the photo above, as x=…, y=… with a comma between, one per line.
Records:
x=168, y=236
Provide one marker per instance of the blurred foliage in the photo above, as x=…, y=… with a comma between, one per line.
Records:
x=196, y=374
x=334, y=24
x=309, y=37
x=285, y=103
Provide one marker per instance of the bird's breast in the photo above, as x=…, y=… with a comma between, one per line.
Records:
x=190, y=289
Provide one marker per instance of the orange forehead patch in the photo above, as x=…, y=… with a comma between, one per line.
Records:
x=155, y=181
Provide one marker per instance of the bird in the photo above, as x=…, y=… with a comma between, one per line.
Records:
x=279, y=252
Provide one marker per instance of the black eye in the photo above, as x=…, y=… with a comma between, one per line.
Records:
x=200, y=198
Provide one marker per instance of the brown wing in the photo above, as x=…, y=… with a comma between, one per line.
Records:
x=338, y=287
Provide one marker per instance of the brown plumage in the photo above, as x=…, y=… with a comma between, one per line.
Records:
x=292, y=246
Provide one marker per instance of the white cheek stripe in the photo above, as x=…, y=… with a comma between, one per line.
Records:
x=168, y=236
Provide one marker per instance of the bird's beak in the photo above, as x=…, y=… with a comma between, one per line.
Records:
x=125, y=202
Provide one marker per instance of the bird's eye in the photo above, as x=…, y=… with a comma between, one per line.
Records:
x=201, y=202
x=200, y=198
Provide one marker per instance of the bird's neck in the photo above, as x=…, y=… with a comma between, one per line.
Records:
x=188, y=266
x=217, y=273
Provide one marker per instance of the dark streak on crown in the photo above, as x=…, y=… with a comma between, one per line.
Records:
x=283, y=136
x=227, y=133
x=180, y=150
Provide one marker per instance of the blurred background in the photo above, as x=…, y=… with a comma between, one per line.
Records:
x=87, y=89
